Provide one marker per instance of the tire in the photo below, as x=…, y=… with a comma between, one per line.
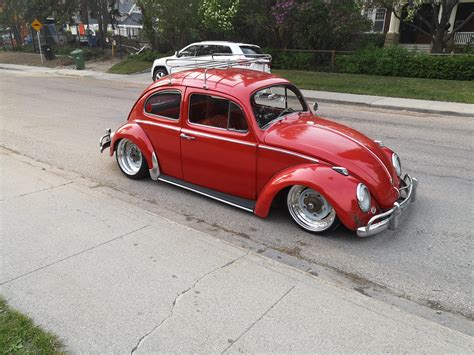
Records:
x=310, y=210
x=130, y=160
x=158, y=73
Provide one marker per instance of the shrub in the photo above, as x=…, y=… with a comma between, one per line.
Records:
x=146, y=56
x=299, y=60
x=364, y=40
x=395, y=61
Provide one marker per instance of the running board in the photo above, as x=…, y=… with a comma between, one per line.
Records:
x=242, y=203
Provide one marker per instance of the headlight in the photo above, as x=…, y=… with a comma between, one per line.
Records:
x=363, y=197
x=397, y=164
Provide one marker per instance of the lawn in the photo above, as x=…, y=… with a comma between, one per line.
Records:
x=413, y=88
x=19, y=335
x=130, y=66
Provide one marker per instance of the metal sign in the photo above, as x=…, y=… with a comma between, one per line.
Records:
x=37, y=25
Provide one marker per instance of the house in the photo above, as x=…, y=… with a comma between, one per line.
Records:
x=401, y=33
x=131, y=20
x=128, y=24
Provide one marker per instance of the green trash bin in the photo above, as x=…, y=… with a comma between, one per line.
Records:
x=78, y=56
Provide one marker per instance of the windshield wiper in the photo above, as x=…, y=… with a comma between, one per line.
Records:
x=279, y=117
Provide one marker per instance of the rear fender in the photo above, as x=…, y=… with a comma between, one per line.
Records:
x=338, y=189
x=133, y=132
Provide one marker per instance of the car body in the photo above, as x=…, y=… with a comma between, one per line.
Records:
x=209, y=51
x=245, y=137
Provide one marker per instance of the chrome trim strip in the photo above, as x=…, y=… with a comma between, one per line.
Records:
x=284, y=151
x=155, y=170
x=204, y=194
x=243, y=133
x=163, y=125
x=392, y=216
x=202, y=134
x=359, y=143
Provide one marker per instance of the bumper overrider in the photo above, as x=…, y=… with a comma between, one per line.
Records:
x=104, y=141
x=391, y=218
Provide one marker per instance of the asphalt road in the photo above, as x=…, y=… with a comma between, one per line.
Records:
x=427, y=262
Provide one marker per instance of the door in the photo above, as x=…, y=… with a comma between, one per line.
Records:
x=218, y=151
x=185, y=59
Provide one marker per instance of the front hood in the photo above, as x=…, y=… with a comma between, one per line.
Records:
x=162, y=60
x=338, y=145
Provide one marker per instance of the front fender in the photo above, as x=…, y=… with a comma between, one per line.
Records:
x=338, y=189
x=132, y=131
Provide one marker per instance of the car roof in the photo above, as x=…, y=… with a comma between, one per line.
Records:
x=238, y=82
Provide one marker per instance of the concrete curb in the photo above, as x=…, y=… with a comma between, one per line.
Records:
x=390, y=103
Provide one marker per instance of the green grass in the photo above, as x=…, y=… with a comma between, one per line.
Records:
x=130, y=66
x=18, y=334
x=413, y=88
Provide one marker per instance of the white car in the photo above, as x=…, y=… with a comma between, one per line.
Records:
x=201, y=53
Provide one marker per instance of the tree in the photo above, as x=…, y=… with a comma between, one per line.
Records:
x=218, y=15
x=437, y=26
x=175, y=23
x=329, y=25
x=285, y=15
x=253, y=23
x=149, y=12
x=13, y=15
x=106, y=12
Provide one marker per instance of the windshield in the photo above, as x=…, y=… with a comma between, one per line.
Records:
x=274, y=103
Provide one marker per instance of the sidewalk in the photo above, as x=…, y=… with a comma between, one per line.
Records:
x=392, y=103
x=108, y=276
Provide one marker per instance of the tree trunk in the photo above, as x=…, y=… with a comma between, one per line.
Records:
x=437, y=43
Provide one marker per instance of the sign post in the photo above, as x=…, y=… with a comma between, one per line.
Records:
x=38, y=26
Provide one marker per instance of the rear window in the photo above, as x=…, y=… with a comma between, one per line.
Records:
x=164, y=104
x=251, y=50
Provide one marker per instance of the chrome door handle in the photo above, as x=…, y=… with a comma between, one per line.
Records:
x=185, y=136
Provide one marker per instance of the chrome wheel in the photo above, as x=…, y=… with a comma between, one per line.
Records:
x=309, y=209
x=129, y=157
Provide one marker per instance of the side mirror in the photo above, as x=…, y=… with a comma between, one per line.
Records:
x=176, y=54
x=315, y=106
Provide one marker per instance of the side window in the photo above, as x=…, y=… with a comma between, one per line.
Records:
x=189, y=52
x=223, y=49
x=164, y=104
x=205, y=49
x=216, y=112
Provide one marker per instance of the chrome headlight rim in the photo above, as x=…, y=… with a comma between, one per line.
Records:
x=363, y=197
x=397, y=164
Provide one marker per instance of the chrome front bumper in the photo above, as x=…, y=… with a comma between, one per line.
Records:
x=104, y=141
x=391, y=218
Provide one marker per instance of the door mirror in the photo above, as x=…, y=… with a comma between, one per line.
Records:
x=315, y=106
x=176, y=54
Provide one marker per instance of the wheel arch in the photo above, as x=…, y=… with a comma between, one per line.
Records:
x=133, y=132
x=160, y=66
x=338, y=189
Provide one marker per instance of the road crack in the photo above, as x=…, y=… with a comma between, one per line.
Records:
x=180, y=295
x=258, y=319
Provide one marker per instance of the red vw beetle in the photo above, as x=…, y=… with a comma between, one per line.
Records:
x=242, y=137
